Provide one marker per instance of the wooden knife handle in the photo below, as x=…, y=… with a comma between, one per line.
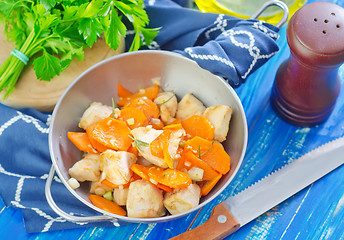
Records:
x=220, y=224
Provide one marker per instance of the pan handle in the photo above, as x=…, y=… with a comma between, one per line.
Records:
x=68, y=216
x=277, y=3
x=221, y=222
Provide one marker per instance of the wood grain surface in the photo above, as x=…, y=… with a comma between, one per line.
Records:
x=43, y=95
x=317, y=212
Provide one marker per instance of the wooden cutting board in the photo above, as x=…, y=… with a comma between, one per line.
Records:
x=43, y=95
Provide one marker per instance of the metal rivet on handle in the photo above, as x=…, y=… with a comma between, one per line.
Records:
x=222, y=219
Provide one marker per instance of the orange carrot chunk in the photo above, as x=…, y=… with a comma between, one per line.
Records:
x=97, y=145
x=169, y=177
x=147, y=106
x=190, y=160
x=210, y=152
x=181, y=163
x=112, y=133
x=112, y=185
x=142, y=171
x=208, y=185
x=107, y=205
x=134, y=117
x=180, y=159
x=133, y=150
x=157, y=145
x=122, y=91
x=164, y=187
x=176, y=126
x=149, y=92
x=199, y=126
x=156, y=123
x=176, y=121
x=81, y=141
x=167, y=157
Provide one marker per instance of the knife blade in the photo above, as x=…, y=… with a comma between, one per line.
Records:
x=268, y=192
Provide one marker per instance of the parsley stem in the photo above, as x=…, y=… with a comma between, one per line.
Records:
x=199, y=149
x=139, y=143
x=163, y=102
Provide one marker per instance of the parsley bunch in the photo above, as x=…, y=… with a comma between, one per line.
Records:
x=51, y=33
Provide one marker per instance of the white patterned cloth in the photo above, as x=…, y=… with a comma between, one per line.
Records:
x=227, y=46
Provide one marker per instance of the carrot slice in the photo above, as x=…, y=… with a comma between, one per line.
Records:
x=164, y=187
x=176, y=121
x=176, y=126
x=134, y=117
x=156, y=123
x=107, y=205
x=97, y=145
x=169, y=177
x=181, y=163
x=199, y=126
x=167, y=157
x=208, y=185
x=112, y=133
x=210, y=152
x=81, y=141
x=189, y=160
x=142, y=171
x=157, y=145
x=149, y=92
x=147, y=106
x=133, y=150
x=111, y=185
x=179, y=154
x=122, y=91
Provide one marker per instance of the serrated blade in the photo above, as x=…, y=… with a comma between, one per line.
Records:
x=285, y=182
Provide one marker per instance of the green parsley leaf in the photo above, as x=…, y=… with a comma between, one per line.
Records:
x=48, y=4
x=57, y=31
x=91, y=29
x=47, y=66
x=116, y=26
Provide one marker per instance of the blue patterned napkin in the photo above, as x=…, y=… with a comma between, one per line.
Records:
x=226, y=46
x=24, y=168
x=214, y=41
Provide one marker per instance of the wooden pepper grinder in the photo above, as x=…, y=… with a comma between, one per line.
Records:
x=307, y=84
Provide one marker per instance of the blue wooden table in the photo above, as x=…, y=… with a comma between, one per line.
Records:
x=317, y=212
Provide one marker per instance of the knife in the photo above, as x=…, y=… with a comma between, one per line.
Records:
x=240, y=209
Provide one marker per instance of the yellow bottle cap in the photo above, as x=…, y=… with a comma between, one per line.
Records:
x=245, y=9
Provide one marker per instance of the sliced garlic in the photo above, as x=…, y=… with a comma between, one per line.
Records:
x=73, y=183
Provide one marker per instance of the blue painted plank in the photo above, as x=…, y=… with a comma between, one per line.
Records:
x=164, y=230
x=12, y=227
x=314, y=213
x=12, y=219
x=272, y=143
